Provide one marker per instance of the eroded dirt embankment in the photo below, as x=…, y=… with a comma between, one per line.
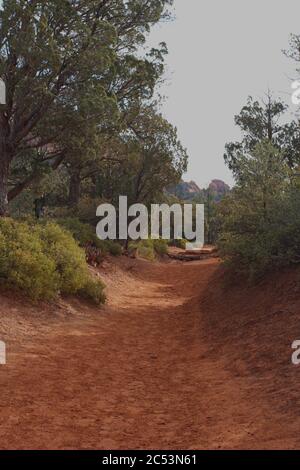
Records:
x=175, y=361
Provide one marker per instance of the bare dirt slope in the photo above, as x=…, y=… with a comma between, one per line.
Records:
x=175, y=361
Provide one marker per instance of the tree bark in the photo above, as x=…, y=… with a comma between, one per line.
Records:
x=74, y=189
x=3, y=185
x=5, y=159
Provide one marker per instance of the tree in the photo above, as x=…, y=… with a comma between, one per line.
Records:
x=156, y=160
x=54, y=55
x=132, y=85
x=252, y=236
x=260, y=121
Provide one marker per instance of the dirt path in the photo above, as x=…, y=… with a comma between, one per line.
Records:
x=140, y=374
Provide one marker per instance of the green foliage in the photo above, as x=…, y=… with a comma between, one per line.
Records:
x=93, y=291
x=79, y=73
x=43, y=261
x=160, y=247
x=143, y=249
x=23, y=262
x=113, y=248
x=149, y=249
x=85, y=235
x=151, y=160
x=70, y=264
x=260, y=222
x=262, y=121
x=179, y=243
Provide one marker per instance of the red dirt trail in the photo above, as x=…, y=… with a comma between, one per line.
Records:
x=171, y=363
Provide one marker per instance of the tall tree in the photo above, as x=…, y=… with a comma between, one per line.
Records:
x=262, y=121
x=253, y=235
x=54, y=55
x=156, y=160
x=132, y=85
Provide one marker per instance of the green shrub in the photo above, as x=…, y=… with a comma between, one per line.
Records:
x=43, y=261
x=93, y=290
x=160, y=247
x=178, y=243
x=146, y=252
x=85, y=234
x=69, y=259
x=254, y=241
x=112, y=247
x=149, y=249
x=259, y=220
x=143, y=249
x=23, y=262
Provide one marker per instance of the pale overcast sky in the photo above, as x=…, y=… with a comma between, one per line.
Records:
x=219, y=53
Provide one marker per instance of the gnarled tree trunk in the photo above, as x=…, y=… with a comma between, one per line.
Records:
x=5, y=159
x=3, y=187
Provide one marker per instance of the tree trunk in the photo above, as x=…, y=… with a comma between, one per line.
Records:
x=5, y=159
x=3, y=188
x=74, y=189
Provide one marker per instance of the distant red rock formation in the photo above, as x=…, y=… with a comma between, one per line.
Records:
x=219, y=185
x=190, y=190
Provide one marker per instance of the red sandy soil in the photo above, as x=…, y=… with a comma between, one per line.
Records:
x=177, y=360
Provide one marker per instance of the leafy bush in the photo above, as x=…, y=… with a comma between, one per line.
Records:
x=23, y=262
x=69, y=260
x=143, y=249
x=93, y=291
x=146, y=251
x=160, y=247
x=179, y=243
x=149, y=249
x=85, y=234
x=43, y=261
x=113, y=248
